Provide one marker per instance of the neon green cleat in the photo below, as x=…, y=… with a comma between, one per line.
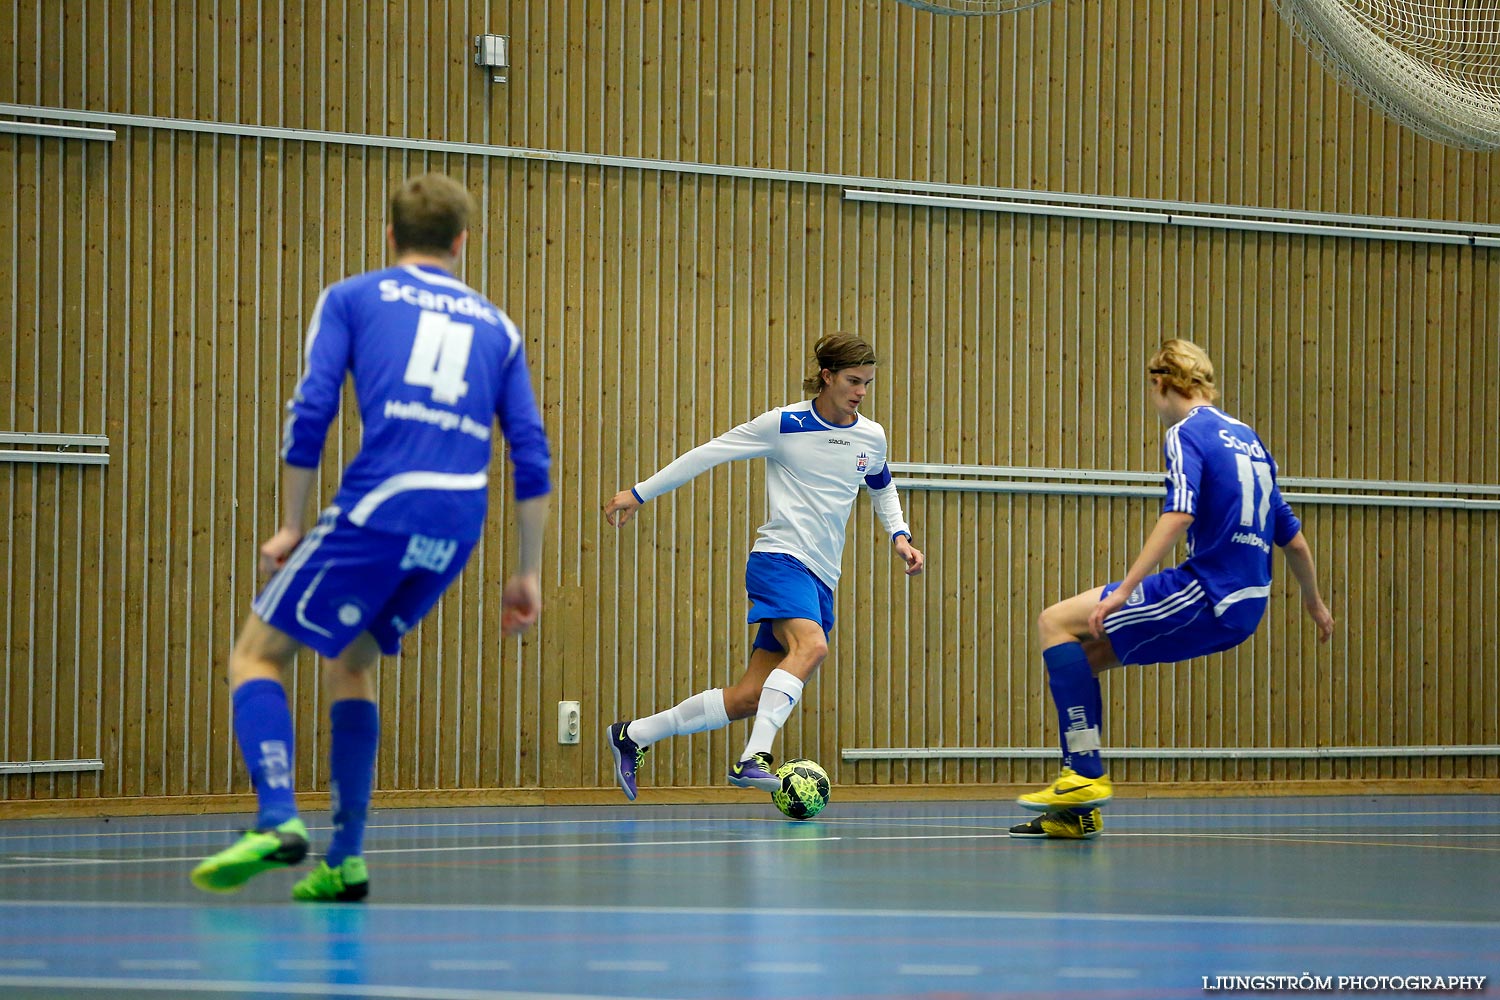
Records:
x=257, y=851
x=348, y=883
x=1065, y=824
x=1070, y=791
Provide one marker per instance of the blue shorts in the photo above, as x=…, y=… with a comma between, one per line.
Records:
x=1169, y=619
x=343, y=580
x=779, y=586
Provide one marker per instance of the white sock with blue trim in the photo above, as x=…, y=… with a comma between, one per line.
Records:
x=780, y=695
x=703, y=711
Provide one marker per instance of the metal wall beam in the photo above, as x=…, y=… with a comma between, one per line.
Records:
x=49, y=766
x=58, y=131
x=1181, y=218
x=1114, y=475
x=62, y=440
x=1095, y=483
x=1018, y=199
x=53, y=458
x=61, y=453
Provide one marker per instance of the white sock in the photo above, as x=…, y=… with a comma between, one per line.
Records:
x=780, y=694
x=703, y=711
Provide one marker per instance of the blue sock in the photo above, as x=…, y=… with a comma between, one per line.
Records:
x=263, y=726
x=1080, y=703
x=356, y=736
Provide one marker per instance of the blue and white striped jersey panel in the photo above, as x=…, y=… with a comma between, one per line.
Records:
x=1219, y=471
x=435, y=364
x=814, y=471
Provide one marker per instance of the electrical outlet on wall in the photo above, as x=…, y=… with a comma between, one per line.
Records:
x=569, y=721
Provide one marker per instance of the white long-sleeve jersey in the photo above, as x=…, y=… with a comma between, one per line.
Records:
x=814, y=470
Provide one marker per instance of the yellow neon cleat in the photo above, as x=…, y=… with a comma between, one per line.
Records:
x=1070, y=790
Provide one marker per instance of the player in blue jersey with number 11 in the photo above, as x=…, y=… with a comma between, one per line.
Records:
x=1221, y=492
x=435, y=365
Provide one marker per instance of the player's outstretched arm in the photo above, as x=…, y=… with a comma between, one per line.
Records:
x=1299, y=557
x=753, y=439
x=521, y=600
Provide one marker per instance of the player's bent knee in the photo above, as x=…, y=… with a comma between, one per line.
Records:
x=816, y=652
x=1050, y=620
x=1049, y=625
x=809, y=648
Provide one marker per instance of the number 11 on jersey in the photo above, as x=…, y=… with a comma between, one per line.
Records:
x=1251, y=474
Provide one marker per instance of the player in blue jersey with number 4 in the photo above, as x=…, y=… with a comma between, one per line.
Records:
x=819, y=454
x=435, y=365
x=1221, y=492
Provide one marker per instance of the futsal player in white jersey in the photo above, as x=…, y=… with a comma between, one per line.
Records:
x=818, y=453
x=1221, y=493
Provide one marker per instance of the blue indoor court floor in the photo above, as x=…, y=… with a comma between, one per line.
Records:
x=870, y=900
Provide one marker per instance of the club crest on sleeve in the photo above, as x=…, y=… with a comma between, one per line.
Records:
x=862, y=462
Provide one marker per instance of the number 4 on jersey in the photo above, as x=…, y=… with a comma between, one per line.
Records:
x=440, y=356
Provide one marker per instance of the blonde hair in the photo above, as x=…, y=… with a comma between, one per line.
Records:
x=1184, y=368
x=428, y=213
x=834, y=353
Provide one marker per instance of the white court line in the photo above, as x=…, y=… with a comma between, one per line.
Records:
x=1029, y=916
x=160, y=964
x=826, y=820
x=784, y=968
x=446, y=825
x=1077, y=972
x=19, y=862
x=317, y=965
x=469, y=965
x=1314, y=836
x=626, y=965
x=22, y=964
x=1245, y=835
x=1314, y=839
x=471, y=848
x=118, y=984
x=939, y=836
x=588, y=845
x=937, y=970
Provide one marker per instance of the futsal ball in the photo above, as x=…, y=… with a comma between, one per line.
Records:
x=804, y=788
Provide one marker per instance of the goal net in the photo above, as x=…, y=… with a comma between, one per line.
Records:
x=1433, y=66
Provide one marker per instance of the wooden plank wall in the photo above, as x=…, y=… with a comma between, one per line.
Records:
x=161, y=283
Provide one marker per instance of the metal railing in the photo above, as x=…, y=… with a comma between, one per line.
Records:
x=1110, y=483
x=61, y=451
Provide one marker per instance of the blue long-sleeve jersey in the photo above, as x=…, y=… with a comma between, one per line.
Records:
x=434, y=365
x=1219, y=471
